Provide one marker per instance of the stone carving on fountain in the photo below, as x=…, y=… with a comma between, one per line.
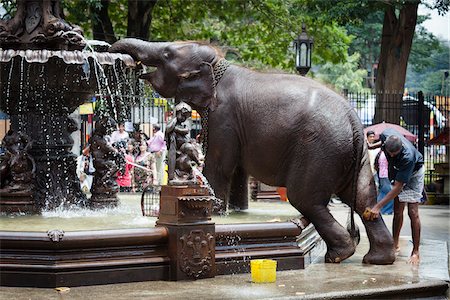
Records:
x=107, y=162
x=197, y=253
x=44, y=77
x=182, y=155
x=39, y=24
x=186, y=205
x=17, y=171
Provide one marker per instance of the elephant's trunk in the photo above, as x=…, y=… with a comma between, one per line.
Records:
x=148, y=53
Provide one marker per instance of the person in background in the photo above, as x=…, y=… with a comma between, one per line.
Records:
x=125, y=179
x=384, y=185
x=406, y=168
x=119, y=135
x=370, y=135
x=145, y=168
x=138, y=135
x=157, y=146
x=130, y=149
x=85, y=171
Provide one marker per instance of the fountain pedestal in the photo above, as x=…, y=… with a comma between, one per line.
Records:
x=44, y=77
x=186, y=212
x=17, y=202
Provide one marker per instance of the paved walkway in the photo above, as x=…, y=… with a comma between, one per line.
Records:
x=348, y=280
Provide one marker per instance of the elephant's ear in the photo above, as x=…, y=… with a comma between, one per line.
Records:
x=197, y=87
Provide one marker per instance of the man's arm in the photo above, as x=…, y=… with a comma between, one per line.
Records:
x=375, y=211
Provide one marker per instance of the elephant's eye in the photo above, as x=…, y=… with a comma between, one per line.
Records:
x=166, y=55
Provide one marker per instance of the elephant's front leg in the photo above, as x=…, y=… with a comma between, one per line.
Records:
x=219, y=167
x=239, y=190
x=220, y=181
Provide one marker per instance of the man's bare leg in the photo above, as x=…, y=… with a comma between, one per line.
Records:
x=397, y=222
x=413, y=212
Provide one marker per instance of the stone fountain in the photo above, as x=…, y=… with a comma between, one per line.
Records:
x=44, y=77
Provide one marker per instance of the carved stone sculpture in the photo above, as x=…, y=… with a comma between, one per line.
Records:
x=183, y=155
x=107, y=162
x=18, y=168
x=40, y=22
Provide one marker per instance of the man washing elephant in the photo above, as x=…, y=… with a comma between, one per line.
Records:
x=406, y=169
x=276, y=127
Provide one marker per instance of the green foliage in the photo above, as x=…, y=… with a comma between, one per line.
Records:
x=367, y=38
x=255, y=33
x=424, y=50
x=429, y=76
x=10, y=7
x=79, y=12
x=344, y=75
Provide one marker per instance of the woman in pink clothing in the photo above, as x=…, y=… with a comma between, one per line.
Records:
x=125, y=180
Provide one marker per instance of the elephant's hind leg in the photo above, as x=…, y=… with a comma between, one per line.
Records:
x=339, y=243
x=381, y=250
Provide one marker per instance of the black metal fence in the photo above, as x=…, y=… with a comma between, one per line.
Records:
x=142, y=116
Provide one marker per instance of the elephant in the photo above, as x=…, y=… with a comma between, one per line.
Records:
x=283, y=129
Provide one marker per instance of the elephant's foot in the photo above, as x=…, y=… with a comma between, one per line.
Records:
x=336, y=255
x=380, y=256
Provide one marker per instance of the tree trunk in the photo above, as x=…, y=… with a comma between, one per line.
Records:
x=396, y=41
x=101, y=23
x=140, y=18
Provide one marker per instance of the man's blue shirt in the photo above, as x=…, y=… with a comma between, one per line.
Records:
x=406, y=162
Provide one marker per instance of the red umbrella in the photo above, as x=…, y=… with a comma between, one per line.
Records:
x=379, y=128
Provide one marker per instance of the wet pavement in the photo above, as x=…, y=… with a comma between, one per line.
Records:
x=349, y=280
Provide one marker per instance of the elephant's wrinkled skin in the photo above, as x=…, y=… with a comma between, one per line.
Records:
x=284, y=130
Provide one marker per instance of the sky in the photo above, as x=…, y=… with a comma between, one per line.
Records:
x=438, y=25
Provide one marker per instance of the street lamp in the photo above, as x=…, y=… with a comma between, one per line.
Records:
x=303, y=49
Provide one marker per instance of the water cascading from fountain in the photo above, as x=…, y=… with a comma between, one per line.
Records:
x=44, y=76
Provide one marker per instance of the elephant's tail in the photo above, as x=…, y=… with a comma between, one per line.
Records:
x=358, y=150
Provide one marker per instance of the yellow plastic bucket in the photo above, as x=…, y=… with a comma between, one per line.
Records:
x=263, y=270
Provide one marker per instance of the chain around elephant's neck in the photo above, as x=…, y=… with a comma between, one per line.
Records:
x=219, y=69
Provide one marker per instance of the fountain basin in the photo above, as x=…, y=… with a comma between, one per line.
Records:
x=56, y=258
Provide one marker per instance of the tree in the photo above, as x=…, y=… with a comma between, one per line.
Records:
x=255, y=33
x=366, y=42
x=428, y=74
x=140, y=18
x=102, y=27
x=105, y=18
x=258, y=34
x=344, y=76
x=399, y=25
x=399, y=22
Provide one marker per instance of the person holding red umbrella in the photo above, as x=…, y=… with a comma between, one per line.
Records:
x=406, y=169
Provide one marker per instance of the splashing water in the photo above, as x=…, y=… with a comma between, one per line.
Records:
x=217, y=202
x=203, y=180
x=98, y=68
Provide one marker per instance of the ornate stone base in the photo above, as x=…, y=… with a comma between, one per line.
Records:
x=186, y=212
x=17, y=202
x=99, y=201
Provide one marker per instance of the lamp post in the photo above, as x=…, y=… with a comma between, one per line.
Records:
x=303, y=50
